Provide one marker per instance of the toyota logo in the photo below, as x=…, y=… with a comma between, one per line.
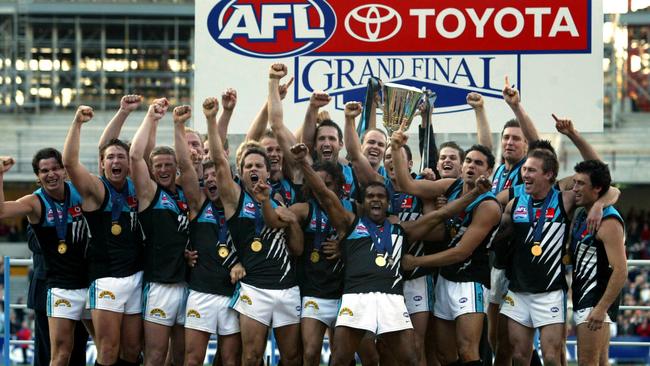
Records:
x=373, y=18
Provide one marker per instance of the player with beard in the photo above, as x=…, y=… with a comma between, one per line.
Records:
x=464, y=272
x=212, y=277
x=599, y=264
x=114, y=250
x=54, y=213
x=265, y=236
x=372, y=299
x=163, y=213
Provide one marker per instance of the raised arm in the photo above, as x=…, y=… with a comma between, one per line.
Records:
x=262, y=194
x=89, y=186
x=308, y=130
x=512, y=98
x=145, y=187
x=565, y=127
x=128, y=104
x=257, y=128
x=362, y=168
x=228, y=190
x=475, y=100
x=420, y=229
x=295, y=235
x=228, y=102
x=613, y=237
x=188, y=178
x=423, y=188
x=24, y=206
x=340, y=218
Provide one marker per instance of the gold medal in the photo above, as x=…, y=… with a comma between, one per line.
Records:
x=223, y=251
x=116, y=229
x=380, y=261
x=315, y=257
x=566, y=259
x=256, y=245
x=536, y=249
x=62, y=248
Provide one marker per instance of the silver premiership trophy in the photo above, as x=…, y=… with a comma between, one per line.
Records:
x=400, y=105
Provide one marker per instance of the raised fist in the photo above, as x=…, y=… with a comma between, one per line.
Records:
x=130, y=102
x=278, y=71
x=352, y=109
x=299, y=151
x=158, y=108
x=564, y=126
x=182, y=113
x=510, y=94
x=84, y=114
x=398, y=139
x=229, y=99
x=6, y=162
x=286, y=215
x=483, y=184
x=261, y=191
x=475, y=100
x=210, y=107
x=319, y=99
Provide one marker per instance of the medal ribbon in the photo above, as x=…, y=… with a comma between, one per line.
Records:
x=223, y=229
x=259, y=221
x=118, y=200
x=320, y=234
x=578, y=229
x=539, y=225
x=382, y=241
x=508, y=175
x=60, y=223
x=396, y=199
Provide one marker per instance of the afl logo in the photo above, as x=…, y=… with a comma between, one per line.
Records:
x=269, y=29
x=373, y=23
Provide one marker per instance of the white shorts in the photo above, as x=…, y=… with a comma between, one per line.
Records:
x=535, y=310
x=419, y=294
x=580, y=316
x=498, y=285
x=375, y=312
x=164, y=303
x=276, y=308
x=324, y=310
x=67, y=304
x=210, y=313
x=118, y=294
x=454, y=299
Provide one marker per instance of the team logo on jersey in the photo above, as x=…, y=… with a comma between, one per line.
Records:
x=509, y=300
x=50, y=215
x=346, y=311
x=521, y=212
x=312, y=304
x=158, y=313
x=250, y=208
x=417, y=298
x=75, y=211
x=166, y=201
x=555, y=309
x=193, y=314
x=362, y=228
x=209, y=215
x=62, y=302
x=462, y=300
x=271, y=29
x=106, y=295
x=246, y=299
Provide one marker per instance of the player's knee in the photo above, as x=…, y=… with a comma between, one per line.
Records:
x=108, y=351
x=251, y=358
x=311, y=355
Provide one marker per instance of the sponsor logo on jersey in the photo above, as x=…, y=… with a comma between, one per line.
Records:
x=271, y=29
x=132, y=201
x=246, y=299
x=550, y=213
x=312, y=304
x=62, y=302
x=75, y=211
x=407, y=202
x=346, y=311
x=106, y=295
x=158, y=313
x=193, y=314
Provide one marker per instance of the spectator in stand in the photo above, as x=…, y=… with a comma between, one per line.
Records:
x=643, y=329
x=24, y=334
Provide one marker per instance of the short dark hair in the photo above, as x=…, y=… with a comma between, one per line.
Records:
x=409, y=154
x=161, y=150
x=363, y=136
x=44, y=154
x=333, y=170
x=598, y=173
x=542, y=144
x=485, y=151
x=328, y=123
x=113, y=142
x=364, y=190
x=207, y=164
x=549, y=161
x=510, y=123
x=258, y=151
x=455, y=146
